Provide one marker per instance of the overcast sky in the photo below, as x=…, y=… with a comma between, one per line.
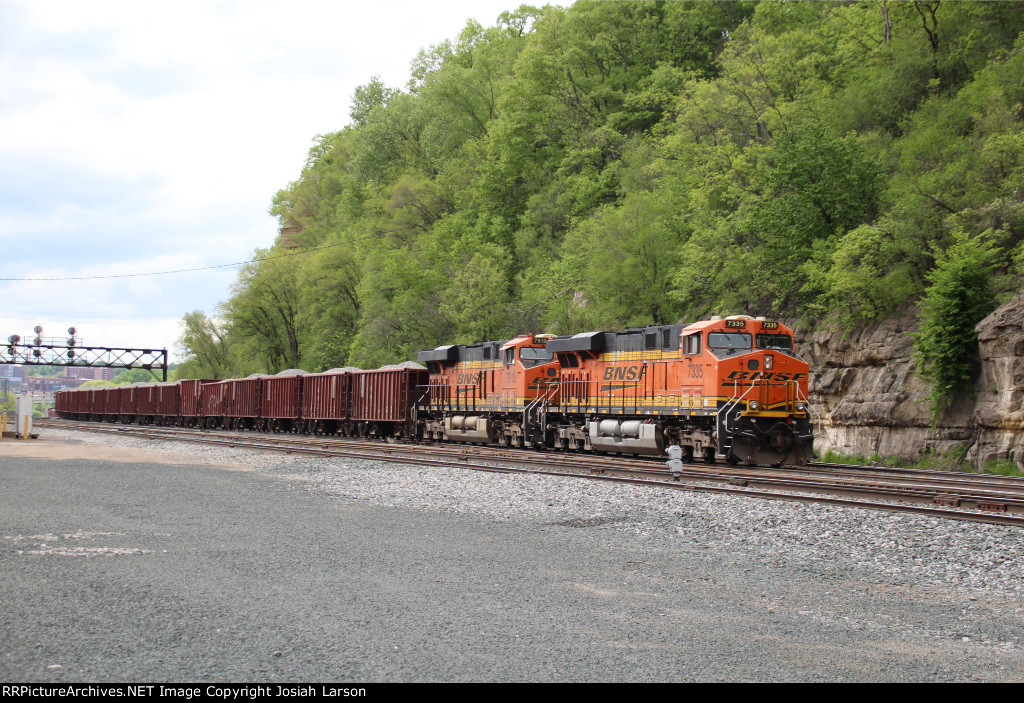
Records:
x=140, y=137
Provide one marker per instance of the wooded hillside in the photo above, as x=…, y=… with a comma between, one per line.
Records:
x=626, y=163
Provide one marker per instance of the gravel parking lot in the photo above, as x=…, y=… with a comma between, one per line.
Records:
x=125, y=560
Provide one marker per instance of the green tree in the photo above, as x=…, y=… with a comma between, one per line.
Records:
x=205, y=346
x=264, y=311
x=959, y=296
x=129, y=376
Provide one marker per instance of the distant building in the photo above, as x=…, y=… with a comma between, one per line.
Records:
x=13, y=373
x=89, y=373
x=44, y=384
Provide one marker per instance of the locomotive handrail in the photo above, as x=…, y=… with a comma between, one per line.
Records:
x=419, y=402
x=540, y=400
x=609, y=398
x=734, y=401
x=810, y=411
x=722, y=416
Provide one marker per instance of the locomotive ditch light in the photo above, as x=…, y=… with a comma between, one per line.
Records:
x=800, y=407
x=753, y=405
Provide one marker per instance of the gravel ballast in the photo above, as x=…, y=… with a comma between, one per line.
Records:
x=536, y=578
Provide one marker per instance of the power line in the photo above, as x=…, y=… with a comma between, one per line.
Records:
x=165, y=273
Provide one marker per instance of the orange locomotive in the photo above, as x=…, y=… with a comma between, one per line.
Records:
x=728, y=389
x=491, y=392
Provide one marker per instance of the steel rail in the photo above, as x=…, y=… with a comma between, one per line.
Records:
x=407, y=455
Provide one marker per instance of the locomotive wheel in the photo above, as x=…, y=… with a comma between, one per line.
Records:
x=709, y=455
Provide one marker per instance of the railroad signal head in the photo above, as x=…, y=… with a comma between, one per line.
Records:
x=14, y=339
x=38, y=329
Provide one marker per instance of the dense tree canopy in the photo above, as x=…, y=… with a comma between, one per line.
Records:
x=624, y=163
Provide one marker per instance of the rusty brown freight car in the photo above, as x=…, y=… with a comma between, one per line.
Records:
x=146, y=403
x=242, y=402
x=381, y=401
x=62, y=403
x=168, y=403
x=83, y=404
x=91, y=404
x=189, y=402
x=325, y=400
x=110, y=403
x=282, y=401
x=212, y=399
x=128, y=403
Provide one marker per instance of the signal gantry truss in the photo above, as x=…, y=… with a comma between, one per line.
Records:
x=66, y=355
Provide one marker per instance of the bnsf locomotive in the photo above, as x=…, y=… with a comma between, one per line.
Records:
x=729, y=389
x=724, y=389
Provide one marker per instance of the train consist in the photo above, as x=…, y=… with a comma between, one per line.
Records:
x=722, y=389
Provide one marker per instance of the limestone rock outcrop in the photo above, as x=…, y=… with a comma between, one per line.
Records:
x=872, y=401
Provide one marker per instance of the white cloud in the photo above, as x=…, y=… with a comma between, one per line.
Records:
x=139, y=137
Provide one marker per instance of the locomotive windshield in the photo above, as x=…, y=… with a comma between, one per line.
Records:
x=782, y=342
x=531, y=356
x=728, y=340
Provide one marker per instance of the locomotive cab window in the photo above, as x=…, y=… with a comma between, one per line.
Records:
x=510, y=357
x=693, y=344
x=782, y=342
x=531, y=356
x=729, y=340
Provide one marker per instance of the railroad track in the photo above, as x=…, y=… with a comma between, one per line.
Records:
x=990, y=499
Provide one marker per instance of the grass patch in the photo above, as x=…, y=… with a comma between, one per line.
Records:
x=928, y=460
x=1001, y=467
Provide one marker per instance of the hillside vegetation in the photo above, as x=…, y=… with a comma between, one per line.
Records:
x=625, y=163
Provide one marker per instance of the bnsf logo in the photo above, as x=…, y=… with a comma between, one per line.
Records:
x=622, y=373
x=469, y=379
x=770, y=376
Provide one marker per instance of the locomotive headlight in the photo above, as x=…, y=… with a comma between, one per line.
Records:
x=753, y=405
x=768, y=361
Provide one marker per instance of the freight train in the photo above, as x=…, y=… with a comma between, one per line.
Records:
x=728, y=389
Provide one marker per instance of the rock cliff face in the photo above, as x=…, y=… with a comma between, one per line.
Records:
x=873, y=402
